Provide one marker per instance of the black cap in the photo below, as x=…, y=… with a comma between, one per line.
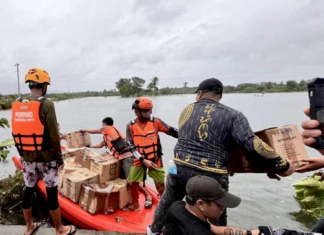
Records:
x=206, y=188
x=211, y=84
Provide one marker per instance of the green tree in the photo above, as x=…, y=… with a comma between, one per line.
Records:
x=137, y=84
x=152, y=86
x=302, y=85
x=165, y=91
x=127, y=90
x=4, y=145
x=122, y=82
x=292, y=85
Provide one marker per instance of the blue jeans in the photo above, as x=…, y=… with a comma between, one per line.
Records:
x=175, y=190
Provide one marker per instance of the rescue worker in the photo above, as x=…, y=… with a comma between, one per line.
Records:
x=143, y=132
x=115, y=142
x=34, y=128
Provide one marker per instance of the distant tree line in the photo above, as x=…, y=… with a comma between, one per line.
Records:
x=83, y=94
x=135, y=86
x=268, y=87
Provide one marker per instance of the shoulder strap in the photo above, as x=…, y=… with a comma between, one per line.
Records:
x=41, y=98
x=116, y=130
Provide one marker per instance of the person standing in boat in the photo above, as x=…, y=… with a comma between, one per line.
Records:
x=116, y=144
x=143, y=133
x=311, y=164
x=34, y=128
x=207, y=129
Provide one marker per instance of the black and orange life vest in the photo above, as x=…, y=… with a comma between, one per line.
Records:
x=27, y=129
x=147, y=141
x=114, y=140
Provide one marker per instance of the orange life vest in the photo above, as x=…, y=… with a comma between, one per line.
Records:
x=147, y=141
x=27, y=129
x=114, y=140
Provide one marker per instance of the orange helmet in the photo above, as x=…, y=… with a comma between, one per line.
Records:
x=37, y=75
x=142, y=103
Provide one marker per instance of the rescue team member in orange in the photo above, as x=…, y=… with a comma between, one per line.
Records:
x=34, y=128
x=114, y=140
x=143, y=132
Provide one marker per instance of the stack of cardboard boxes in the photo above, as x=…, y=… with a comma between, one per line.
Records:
x=91, y=179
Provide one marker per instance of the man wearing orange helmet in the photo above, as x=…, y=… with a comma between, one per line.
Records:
x=34, y=128
x=143, y=133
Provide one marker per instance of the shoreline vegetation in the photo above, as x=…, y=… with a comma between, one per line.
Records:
x=135, y=86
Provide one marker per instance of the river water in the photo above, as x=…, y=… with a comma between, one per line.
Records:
x=264, y=201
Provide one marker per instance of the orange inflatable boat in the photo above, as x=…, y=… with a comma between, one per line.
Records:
x=121, y=221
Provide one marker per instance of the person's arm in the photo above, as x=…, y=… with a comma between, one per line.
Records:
x=92, y=131
x=97, y=146
x=309, y=134
x=165, y=128
x=54, y=138
x=243, y=135
x=221, y=230
x=129, y=135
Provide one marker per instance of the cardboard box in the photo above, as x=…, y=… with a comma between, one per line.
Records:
x=73, y=181
x=71, y=152
x=285, y=140
x=108, y=168
x=78, y=139
x=85, y=156
x=99, y=198
x=105, y=154
x=68, y=168
x=124, y=191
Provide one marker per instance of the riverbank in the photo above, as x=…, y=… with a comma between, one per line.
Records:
x=43, y=230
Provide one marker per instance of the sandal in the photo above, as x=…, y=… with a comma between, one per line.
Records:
x=72, y=232
x=148, y=203
x=37, y=225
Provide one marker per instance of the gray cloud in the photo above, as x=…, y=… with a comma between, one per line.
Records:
x=90, y=45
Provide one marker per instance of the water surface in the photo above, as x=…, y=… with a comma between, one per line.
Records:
x=264, y=201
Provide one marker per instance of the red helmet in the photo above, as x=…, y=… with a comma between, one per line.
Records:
x=142, y=103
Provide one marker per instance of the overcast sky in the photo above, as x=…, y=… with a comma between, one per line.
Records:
x=89, y=45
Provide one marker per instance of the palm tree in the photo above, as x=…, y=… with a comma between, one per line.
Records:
x=153, y=84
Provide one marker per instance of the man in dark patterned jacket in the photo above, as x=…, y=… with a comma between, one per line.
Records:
x=207, y=129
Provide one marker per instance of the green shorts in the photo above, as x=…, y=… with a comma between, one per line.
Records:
x=136, y=174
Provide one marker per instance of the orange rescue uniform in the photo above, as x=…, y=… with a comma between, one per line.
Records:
x=113, y=138
x=27, y=129
x=146, y=139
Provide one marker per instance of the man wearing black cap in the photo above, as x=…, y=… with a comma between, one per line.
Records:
x=207, y=130
x=205, y=200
